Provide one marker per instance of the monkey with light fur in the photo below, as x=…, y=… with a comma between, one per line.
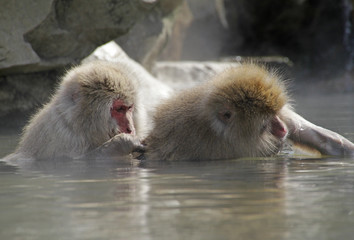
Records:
x=93, y=112
x=242, y=112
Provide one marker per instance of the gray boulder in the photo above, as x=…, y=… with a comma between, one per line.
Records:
x=46, y=34
x=39, y=40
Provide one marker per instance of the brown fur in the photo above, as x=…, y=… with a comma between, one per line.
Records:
x=194, y=125
x=250, y=88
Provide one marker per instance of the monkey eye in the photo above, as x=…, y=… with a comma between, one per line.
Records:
x=225, y=115
x=263, y=127
x=121, y=109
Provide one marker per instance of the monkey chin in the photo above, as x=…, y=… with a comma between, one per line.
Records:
x=272, y=144
x=275, y=138
x=270, y=148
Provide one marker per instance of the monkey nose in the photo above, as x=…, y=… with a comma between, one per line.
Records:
x=128, y=130
x=278, y=128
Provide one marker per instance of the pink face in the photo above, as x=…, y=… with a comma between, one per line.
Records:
x=123, y=115
x=278, y=128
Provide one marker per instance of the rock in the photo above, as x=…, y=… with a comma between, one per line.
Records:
x=186, y=74
x=18, y=17
x=41, y=39
x=147, y=34
x=310, y=33
x=179, y=21
x=161, y=28
x=206, y=34
x=41, y=35
x=317, y=36
x=20, y=94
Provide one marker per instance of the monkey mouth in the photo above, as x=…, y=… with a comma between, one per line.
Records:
x=271, y=146
x=279, y=145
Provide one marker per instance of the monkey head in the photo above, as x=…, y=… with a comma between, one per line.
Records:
x=101, y=99
x=246, y=101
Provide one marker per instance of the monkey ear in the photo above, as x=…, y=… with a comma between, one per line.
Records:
x=72, y=91
x=75, y=96
x=222, y=119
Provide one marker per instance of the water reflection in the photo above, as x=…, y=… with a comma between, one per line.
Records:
x=169, y=202
x=320, y=194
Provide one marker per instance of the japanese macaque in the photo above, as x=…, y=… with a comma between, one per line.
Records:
x=234, y=115
x=93, y=112
x=242, y=112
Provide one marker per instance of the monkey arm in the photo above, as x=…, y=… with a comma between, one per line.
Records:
x=309, y=136
x=118, y=146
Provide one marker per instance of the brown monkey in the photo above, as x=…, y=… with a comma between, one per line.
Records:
x=303, y=135
x=92, y=112
x=234, y=115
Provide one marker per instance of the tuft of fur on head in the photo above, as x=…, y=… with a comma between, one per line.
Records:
x=251, y=89
x=252, y=94
x=101, y=80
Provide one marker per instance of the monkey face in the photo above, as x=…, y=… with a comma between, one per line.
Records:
x=123, y=115
x=273, y=133
x=247, y=100
x=248, y=133
x=103, y=100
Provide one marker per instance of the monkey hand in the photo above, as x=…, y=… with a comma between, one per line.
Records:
x=120, y=145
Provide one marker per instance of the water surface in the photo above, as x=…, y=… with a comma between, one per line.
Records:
x=273, y=198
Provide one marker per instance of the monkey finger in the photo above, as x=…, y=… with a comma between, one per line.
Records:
x=138, y=154
x=143, y=142
x=139, y=149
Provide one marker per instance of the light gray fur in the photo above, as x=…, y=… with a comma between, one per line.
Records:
x=77, y=119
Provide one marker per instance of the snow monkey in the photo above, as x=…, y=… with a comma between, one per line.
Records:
x=242, y=112
x=92, y=111
x=236, y=114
